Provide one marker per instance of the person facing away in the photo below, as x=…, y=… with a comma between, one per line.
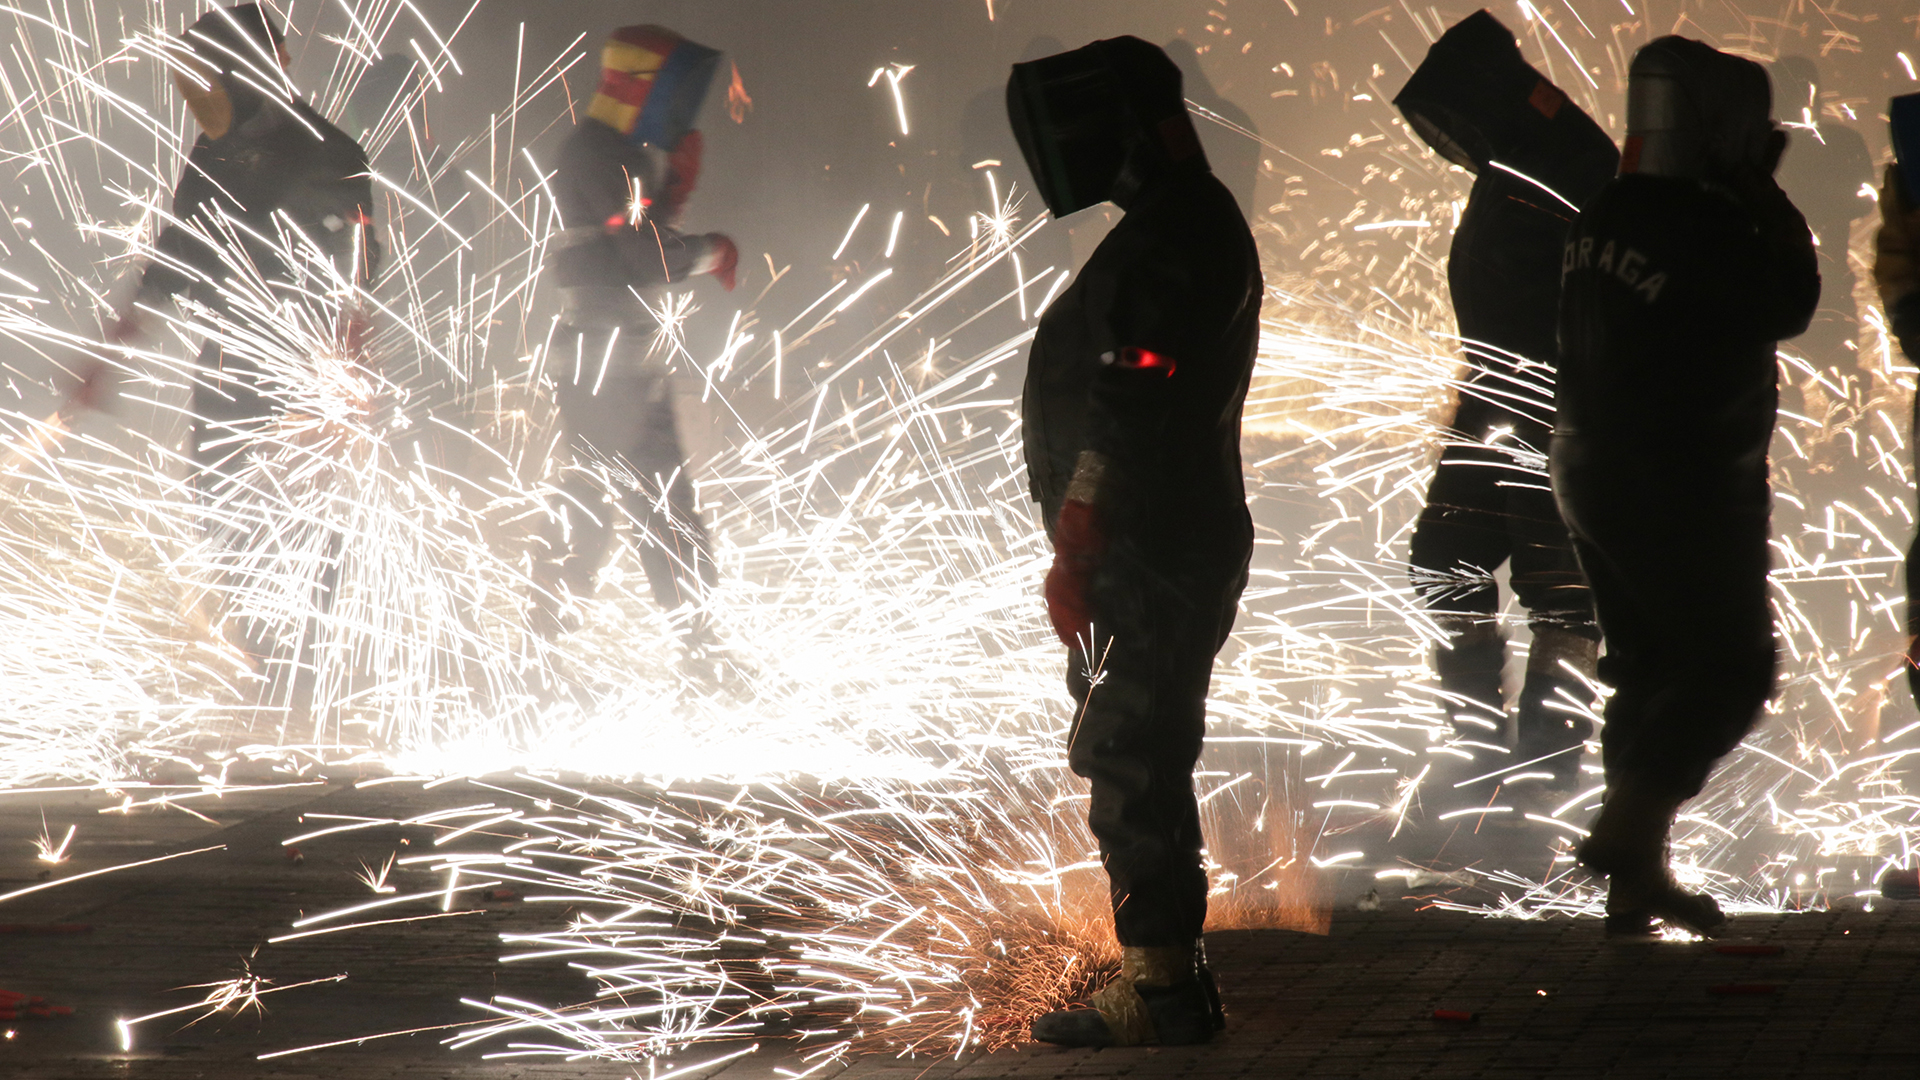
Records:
x=1896, y=275
x=264, y=161
x=1131, y=424
x=1680, y=278
x=622, y=180
x=1536, y=158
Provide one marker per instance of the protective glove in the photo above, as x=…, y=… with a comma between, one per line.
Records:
x=1896, y=257
x=721, y=259
x=1078, y=543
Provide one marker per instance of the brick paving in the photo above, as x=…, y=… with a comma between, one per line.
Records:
x=1841, y=997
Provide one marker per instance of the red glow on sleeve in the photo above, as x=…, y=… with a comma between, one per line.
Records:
x=1136, y=359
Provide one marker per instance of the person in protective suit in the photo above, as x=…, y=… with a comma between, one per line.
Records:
x=1896, y=274
x=264, y=159
x=1536, y=158
x=1679, y=279
x=621, y=181
x=1131, y=423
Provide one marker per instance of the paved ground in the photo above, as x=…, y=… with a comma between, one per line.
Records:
x=1840, y=997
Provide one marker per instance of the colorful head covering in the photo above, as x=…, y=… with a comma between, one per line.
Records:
x=652, y=84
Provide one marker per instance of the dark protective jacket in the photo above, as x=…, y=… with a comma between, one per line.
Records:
x=303, y=170
x=1478, y=94
x=1675, y=294
x=594, y=186
x=1179, y=277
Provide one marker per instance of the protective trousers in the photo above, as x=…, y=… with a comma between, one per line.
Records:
x=231, y=410
x=624, y=419
x=1142, y=704
x=1680, y=588
x=1482, y=511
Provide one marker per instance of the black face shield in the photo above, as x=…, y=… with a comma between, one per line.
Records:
x=1477, y=101
x=1097, y=122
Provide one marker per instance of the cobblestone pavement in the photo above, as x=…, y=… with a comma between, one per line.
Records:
x=1839, y=998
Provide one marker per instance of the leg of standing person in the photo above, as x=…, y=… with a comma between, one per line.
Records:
x=1566, y=642
x=674, y=546
x=596, y=418
x=1142, y=699
x=1681, y=596
x=1461, y=538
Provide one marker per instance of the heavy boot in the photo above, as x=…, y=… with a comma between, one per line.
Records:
x=1470, y=666
x=1162, y=995
x=1629, y=845
x=1548, y=730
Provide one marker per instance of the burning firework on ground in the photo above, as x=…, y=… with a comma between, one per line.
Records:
x=865, y=836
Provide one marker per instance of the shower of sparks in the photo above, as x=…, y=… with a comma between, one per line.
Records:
x=865, y=836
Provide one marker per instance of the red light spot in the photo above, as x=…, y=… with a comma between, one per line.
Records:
x=1135, y=359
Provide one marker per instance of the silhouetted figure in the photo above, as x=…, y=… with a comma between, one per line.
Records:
x=264, y=159
x=1477, y=102
x=1896, y=274
x=1824, y=172
x=621, y=181
x=1131, y=421
x=1235, y=157
x=1680, y=279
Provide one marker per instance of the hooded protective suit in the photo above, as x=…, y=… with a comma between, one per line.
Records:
x=1679, y=279
x=1536, y=158
x=1131, y=421
x=621, y=180
x=263, y=159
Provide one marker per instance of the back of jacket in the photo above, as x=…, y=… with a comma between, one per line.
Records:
x=1179, y=277
x=1674, y=298
x=302, y=169
x=1537, y=158
x=1504, y=274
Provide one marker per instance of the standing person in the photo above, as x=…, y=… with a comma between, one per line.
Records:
x=265, y=162
x=1679, y=279
x=621, y=183
x=1536, y=158
x=1896, y=274
x=264, y=159
x=1131, y=422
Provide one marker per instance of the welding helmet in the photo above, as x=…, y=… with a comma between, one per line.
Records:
x=652, y=84
x=1476, y=100
x=230, y=61
x=1096, y=123
x=1696, y=112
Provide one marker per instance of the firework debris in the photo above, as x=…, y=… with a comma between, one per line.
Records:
x=1455, y=1016
x=14, y=1005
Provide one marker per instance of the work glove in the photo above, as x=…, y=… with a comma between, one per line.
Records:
x=721, y=259
x=1078, y=543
